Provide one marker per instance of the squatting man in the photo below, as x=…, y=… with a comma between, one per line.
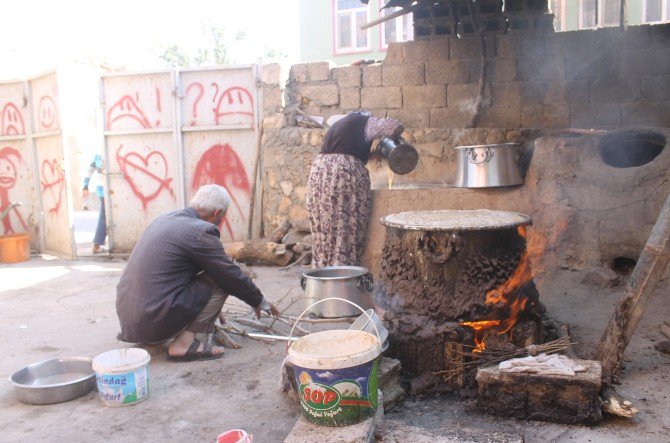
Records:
x=178, y=278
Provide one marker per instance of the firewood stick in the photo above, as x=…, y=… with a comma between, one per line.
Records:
x=650, y=268
x=388, y=17
x=614, y=404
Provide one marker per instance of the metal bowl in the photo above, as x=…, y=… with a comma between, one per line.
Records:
x=54, y=381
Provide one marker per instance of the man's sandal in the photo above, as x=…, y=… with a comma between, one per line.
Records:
x=193, y=354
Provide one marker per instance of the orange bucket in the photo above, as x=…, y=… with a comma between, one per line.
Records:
x=14, y=248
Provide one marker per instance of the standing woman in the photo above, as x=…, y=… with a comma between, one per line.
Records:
x=94, y=178
x=338, y=196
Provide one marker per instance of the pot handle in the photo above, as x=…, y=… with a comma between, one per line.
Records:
x=365, y=282
x=290, y=335
x=472, y=156
x=303, y=282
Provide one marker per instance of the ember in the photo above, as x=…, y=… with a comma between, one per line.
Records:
x=507, y=300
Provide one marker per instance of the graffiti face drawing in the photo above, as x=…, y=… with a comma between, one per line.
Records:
x=127, y=109
x=11, y=121
x=46, y=112
x=234, y=101
x=220, y=165
x=8, y=176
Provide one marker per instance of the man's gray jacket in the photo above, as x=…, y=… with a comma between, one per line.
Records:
x=158, y=294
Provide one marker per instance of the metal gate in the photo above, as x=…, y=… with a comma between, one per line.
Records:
x=168, y=133
x=17, y=171
x=50, y=159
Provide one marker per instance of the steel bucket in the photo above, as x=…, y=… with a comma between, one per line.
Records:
x=488, y=166
x=353, y=283
x=401, y=156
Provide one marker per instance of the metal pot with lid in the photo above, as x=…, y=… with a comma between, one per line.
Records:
x=487, y=166
x=401, y=156
x=353, y=283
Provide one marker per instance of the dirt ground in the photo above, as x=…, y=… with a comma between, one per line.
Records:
x=55, y=308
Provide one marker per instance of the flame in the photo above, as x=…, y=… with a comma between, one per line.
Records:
x=505, y=299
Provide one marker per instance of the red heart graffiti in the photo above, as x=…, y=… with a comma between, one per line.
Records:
x=52, y=181
x=146, y=175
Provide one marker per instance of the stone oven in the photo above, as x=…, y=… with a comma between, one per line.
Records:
x=451, y=281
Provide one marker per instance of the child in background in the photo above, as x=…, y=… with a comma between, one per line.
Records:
x=95, y=179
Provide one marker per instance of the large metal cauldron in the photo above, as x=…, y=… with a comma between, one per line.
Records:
x=353, y=283
x=487, y=166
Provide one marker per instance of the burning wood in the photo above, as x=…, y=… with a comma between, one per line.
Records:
x=507, y=300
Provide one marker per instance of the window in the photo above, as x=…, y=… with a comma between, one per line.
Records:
x=399, y=29
x=587, y=14
x=598, y=13
x=350, y=15
x=656, y=11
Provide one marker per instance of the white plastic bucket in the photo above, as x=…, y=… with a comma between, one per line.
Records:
x=122, y=376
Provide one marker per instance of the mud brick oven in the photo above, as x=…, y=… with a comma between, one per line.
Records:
x=591, y=110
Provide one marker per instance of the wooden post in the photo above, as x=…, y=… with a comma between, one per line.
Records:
x=650, y=268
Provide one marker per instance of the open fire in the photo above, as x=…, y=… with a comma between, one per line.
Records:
x=507, y=301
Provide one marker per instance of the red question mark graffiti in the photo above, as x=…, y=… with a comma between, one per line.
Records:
x=195, y=103
x=214, y=85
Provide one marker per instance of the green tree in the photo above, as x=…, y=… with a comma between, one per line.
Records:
x=216, y=49
x=174, y=56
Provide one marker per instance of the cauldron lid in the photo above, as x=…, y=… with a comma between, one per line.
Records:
x=455, y=220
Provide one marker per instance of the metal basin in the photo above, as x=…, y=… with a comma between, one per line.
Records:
x=353, y=283
x=54, y=381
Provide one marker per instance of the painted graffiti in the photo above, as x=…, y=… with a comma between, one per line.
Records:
x=220, y=165
x=126, y=108
x=147, y=175
x=11, y=121
x=46, y=112
x=9, y=158
x=53, y=185
x=235, y=100
x=199, y=94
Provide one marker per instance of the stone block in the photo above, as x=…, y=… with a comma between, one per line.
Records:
x=577, y=90
x=381, y=97
x=394, y=53
x=372, y=75
x=389, y=369
x=439, y=48
x=271, y=73
x=576, y=41
x=506, y=94
x=450, y=117
x=537, y=92
x=644, y=62
x=542, y=68
x=458, y=93
x=350, y=98
x=557, y=398
x=416, y=51
x=646, y=113
x=424, y=96
x=318, y=71
x=272, y=99
x=274, y=121
x=545, y=116
x=306, y=432
x=324, y=95
x=581, y=65
x=414, y=118
x=615, y=90
x=500, y=116
x=298, y=73
x=439, y=70
x=519, y=45
x=656, y=88
x=588, y=115
x=471, y=47
x=397, y=75
x=348, y=76
x=501, y=70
